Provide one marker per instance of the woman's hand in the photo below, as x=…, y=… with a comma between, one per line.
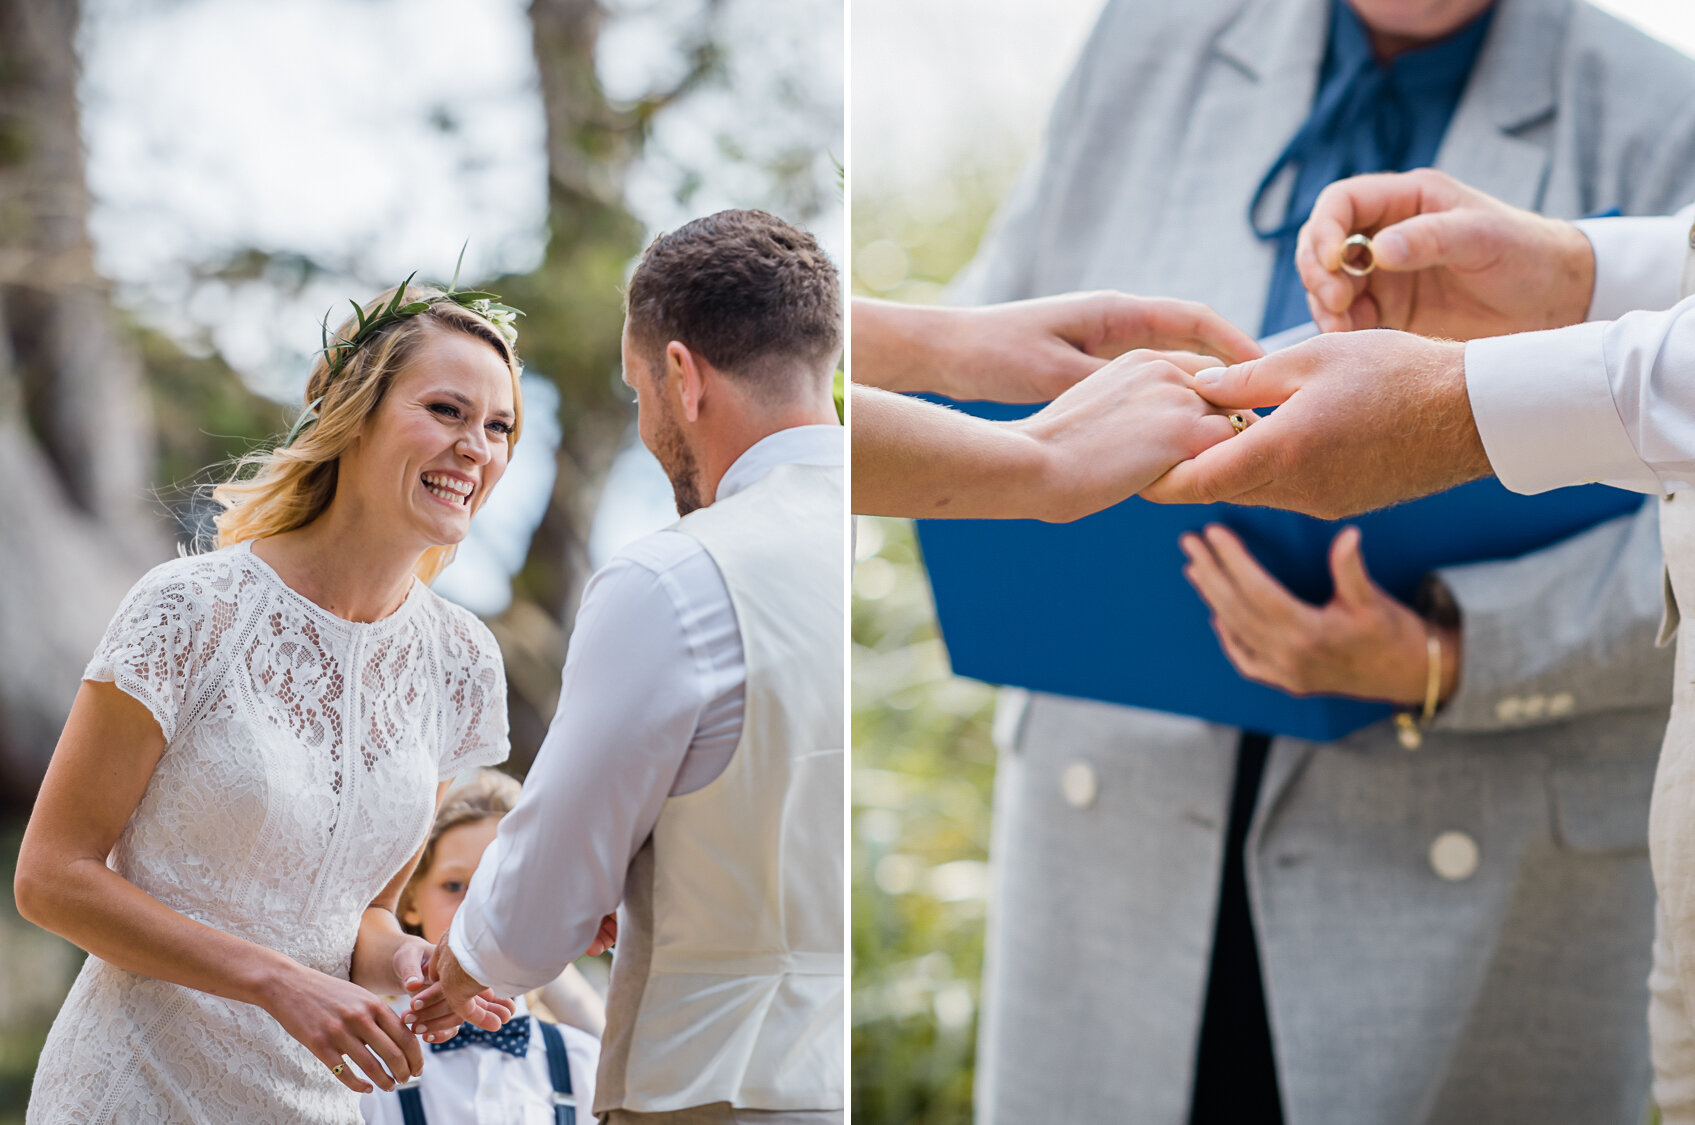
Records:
x=1362, y=643
x=452, y=997
x=1027, y=351
x=334, y=1017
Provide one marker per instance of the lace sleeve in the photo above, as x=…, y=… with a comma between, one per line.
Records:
x=476, y=699
x=151, y=648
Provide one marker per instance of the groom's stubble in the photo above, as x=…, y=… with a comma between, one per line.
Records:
x=672, y=452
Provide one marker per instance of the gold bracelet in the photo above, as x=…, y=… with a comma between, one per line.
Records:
x=1411, y=730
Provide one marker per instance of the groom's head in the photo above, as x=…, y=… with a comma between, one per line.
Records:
x=732, y=328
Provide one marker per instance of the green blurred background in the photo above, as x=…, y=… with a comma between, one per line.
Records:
x=923, y=763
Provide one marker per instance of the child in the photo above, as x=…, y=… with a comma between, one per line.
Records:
x=507, y=1076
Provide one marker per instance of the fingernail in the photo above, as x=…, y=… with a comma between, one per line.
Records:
x=1389, y=248
x=1209, y=376
x=418, y=1003
x=413, y=980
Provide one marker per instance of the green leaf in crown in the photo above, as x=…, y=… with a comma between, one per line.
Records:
x=503, y=318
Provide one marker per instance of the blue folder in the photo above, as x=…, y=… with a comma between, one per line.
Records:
x=1100, y=609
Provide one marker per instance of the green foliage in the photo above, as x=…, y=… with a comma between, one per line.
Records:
x=204, y=419
x=923, y=763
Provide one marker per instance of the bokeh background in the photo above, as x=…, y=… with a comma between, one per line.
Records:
x=187, y=185
x=948, y=103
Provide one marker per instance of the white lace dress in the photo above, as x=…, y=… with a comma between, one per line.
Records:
x=299, y=773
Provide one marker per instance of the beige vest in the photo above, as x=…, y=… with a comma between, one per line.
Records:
x=728, y=985
x=1671, y=840
x=1676, y=515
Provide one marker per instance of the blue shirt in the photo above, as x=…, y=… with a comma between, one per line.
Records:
x=1367, y=116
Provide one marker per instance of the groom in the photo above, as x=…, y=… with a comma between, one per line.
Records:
x=692, y=777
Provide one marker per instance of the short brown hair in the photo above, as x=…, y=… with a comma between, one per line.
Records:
x=744, y=290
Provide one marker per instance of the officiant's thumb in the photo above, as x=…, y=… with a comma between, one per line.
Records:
x=1268, y=381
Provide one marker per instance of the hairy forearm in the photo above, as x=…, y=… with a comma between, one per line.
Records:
x=915, y=459
x=89, y=904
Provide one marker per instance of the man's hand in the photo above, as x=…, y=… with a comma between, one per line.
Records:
x=1451, y=261
x=1362, y=643
x=1027, y=351
x=605, y=938
x=449, y=996
x=1364, y=419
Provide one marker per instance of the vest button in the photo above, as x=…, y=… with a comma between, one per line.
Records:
x=1079, y=785
x=1454, y=857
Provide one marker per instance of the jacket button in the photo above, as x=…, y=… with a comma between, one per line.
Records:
x=1454, y=856
x=1079, y=785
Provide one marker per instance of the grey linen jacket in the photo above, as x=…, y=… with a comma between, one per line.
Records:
x=1406, y=982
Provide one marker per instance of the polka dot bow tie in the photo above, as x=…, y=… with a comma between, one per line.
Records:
x=514, y=1038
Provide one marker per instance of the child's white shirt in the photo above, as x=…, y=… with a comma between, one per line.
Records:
x=478, y=1085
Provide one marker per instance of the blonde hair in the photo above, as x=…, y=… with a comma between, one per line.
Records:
x=488, y=794
x=289, y=486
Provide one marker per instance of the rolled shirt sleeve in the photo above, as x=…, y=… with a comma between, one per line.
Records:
x=633, y=692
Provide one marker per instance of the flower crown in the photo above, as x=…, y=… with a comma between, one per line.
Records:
x=503, y=318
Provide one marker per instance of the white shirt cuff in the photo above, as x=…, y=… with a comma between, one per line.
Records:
x=1544, y=409
x=1638, y=262
x=459, y=941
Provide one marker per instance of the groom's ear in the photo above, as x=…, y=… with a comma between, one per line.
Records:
x=691, y=383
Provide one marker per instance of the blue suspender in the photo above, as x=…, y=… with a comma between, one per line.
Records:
x=564, y=1102
x=558, y=1070
x=411, y=1106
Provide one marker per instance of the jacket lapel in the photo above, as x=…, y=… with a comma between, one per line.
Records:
x=1494, y=143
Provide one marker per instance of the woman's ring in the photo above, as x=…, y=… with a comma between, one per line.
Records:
x=1238, y=422
x=1352, y=258
x=338, y=1068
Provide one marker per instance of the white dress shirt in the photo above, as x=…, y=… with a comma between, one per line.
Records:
x=1611, y=400
x=650, y=706
x=478, y=1085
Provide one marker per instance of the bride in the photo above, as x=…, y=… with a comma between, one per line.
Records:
x=255, y=753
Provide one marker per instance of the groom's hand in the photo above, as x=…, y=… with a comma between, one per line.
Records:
x=451, y=997
x=1451, y=261
x=1363, y=420
x=605, y=938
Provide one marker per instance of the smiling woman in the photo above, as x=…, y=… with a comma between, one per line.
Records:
x=445, y=357
x=255, y=856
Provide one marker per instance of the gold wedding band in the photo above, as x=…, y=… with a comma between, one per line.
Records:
x=1238, y=422
x=338, y=1068
x=1351, y=260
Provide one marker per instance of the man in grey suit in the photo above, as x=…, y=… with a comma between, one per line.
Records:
x=1197, y=924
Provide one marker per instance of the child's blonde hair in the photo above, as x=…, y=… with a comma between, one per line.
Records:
x=488, y=794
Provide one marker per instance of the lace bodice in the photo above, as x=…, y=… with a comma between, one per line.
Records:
x=302, y=754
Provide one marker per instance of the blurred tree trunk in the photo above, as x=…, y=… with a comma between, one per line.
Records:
x=575, y=308
x=74, y=419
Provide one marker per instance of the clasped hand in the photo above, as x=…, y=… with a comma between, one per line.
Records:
x=445, y=995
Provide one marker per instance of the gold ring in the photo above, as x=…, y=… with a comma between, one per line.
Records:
x=338, y=1068
x=1238, y=422
x=1361, y=242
